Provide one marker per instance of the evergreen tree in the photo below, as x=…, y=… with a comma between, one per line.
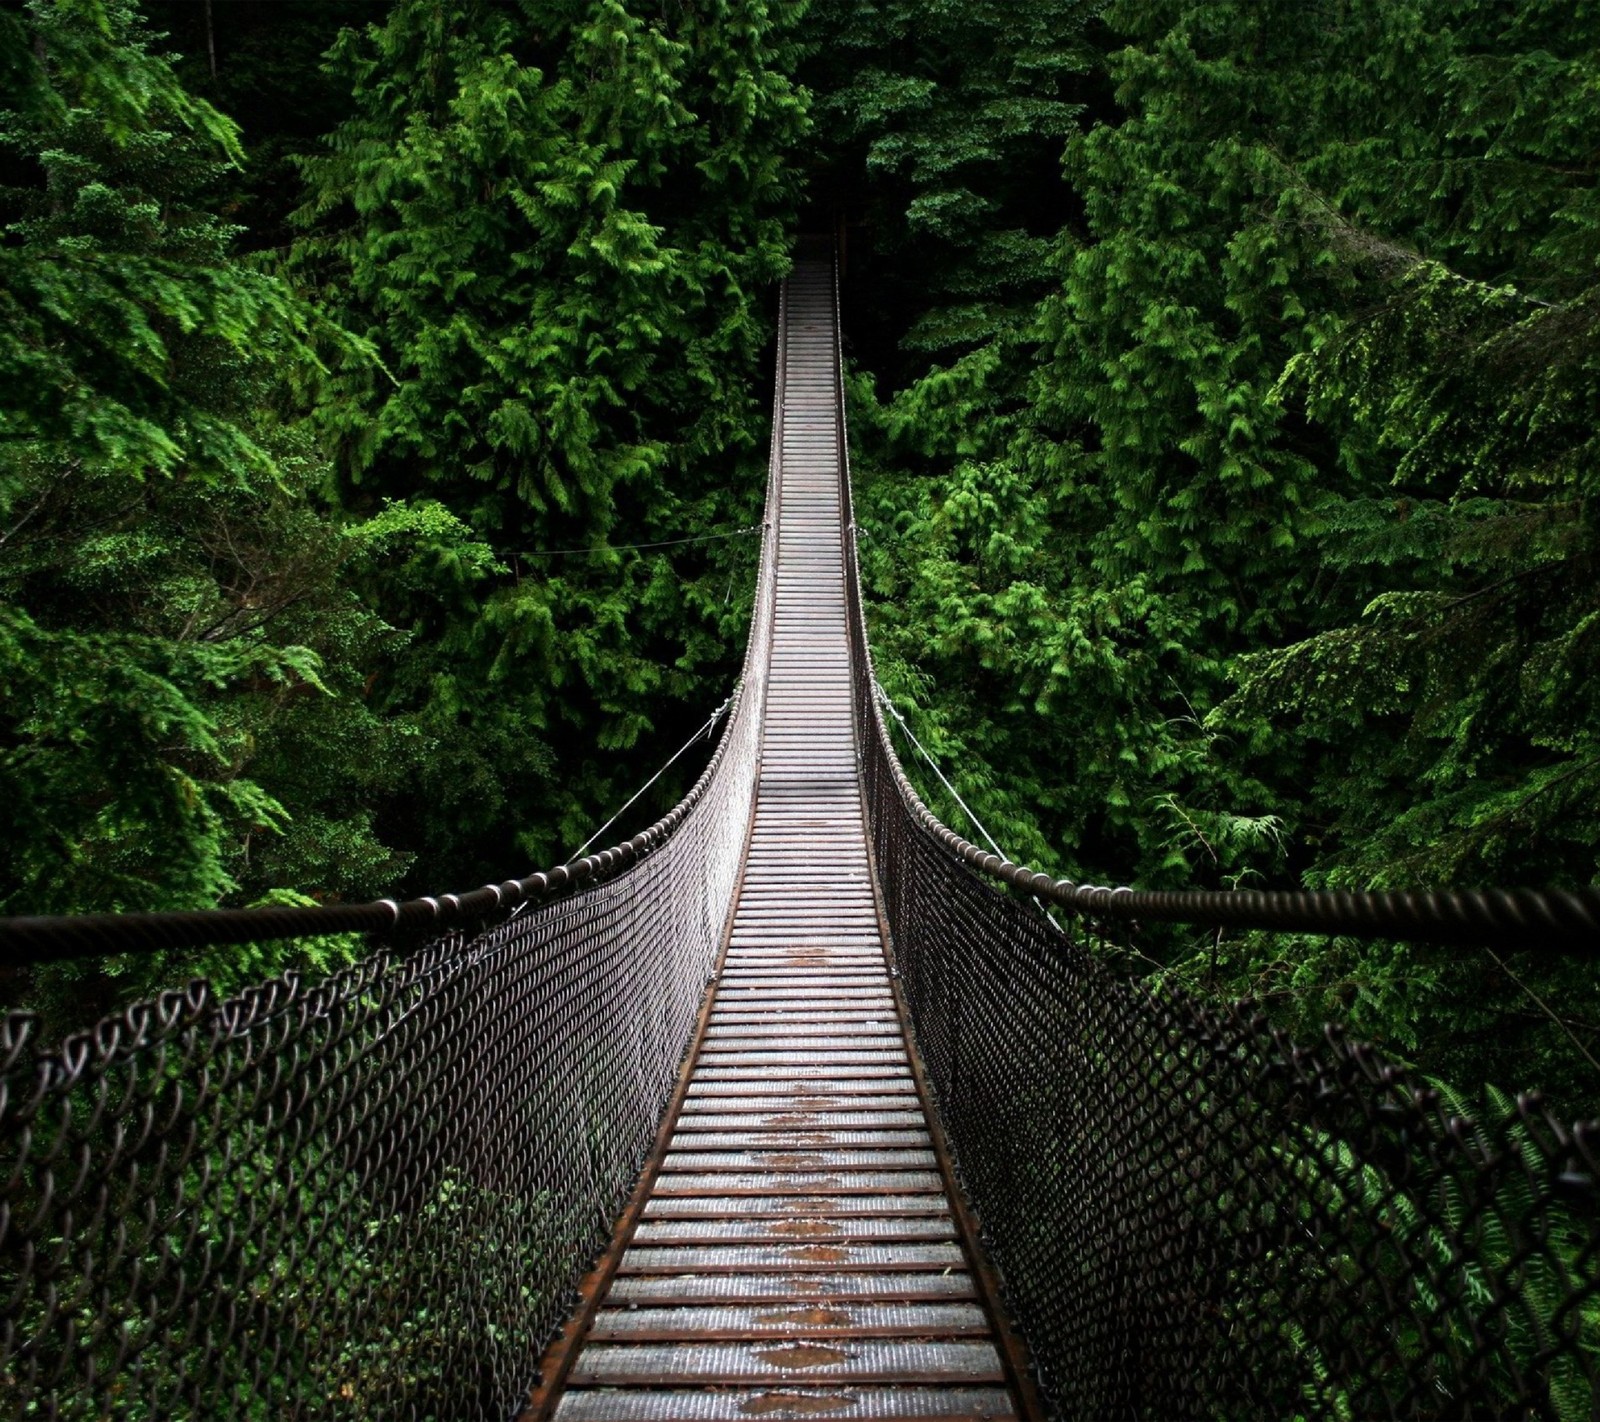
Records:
x=261, y=63
x=942, y=124
x=1287, y=565
x=560, y=223
x=182, y=661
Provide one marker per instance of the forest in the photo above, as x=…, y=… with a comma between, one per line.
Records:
x=386, y=390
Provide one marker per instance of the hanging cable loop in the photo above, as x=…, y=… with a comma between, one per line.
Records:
x=703, y=732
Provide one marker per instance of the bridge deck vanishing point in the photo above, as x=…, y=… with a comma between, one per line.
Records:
x=797, y=1255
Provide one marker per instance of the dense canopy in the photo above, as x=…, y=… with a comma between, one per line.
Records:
x=1225, y=396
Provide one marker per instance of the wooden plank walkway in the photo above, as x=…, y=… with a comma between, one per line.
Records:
x=797, y=1256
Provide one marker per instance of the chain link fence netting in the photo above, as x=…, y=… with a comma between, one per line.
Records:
x=1193, y=1216
x=366, y=1197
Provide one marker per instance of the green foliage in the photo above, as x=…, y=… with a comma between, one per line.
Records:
x=183, y=664
x=944, y=122
x=559, y=225
x=1266, y=553
x=260, y=62
x=1225, y=423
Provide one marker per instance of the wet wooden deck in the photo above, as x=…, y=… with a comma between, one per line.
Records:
x=798, y=1255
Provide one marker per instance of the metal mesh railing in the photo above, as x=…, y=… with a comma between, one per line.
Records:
x=1193, y=1216
x=370, y=1197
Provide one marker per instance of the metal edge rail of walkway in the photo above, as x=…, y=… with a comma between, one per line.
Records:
x=797, y=1248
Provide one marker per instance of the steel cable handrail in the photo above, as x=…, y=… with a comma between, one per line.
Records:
x=60, y=937
x=26, y=939
x=1530, y=919
x=1551, y=918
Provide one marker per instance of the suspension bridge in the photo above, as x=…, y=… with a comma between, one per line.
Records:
x=796, y=1105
